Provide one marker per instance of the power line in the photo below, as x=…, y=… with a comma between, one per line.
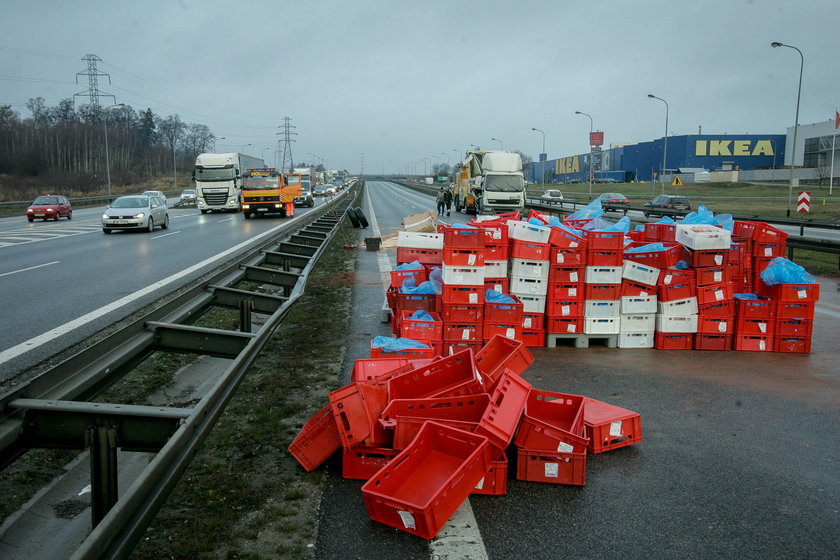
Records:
x=93, y=81
x=287, y=143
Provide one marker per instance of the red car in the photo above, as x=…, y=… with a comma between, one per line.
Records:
x=49, y=207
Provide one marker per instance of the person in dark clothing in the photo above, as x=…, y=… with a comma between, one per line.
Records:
x=440, y=199
x=447, y=200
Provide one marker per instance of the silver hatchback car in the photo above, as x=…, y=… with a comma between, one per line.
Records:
x=135, y=212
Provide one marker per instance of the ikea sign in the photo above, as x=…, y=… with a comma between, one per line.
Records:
x=569, y=164
x=733, y=148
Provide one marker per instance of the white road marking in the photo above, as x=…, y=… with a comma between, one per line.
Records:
x=165, y=235
x=29, y=268
x=52, y=334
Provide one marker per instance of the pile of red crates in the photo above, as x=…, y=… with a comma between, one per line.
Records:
x=596, y=283
x=425, y=433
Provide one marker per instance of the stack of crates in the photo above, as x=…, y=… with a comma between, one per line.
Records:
x=566, y=287
x=503, y=319
x=496, y=252
x=602, y=291
x=638, y=301
x=529, y=274
x=463, y=289
x=761, y=244
x=794, y=323
x=755, y=324
x=676, y=317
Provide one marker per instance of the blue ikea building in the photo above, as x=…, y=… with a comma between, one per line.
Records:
x=643, y=161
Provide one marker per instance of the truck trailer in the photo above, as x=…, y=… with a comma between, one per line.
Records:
x=489, y=182
x=218, y=180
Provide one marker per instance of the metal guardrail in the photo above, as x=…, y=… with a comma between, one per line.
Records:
x=80, y=201
x=51, y=409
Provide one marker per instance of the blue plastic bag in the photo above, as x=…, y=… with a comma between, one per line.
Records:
x=588, y=212
x=436, y=275
x=784, y=271
x=421, y=315
x=492, y=296
x=597, y=224
x=746, y=296
x=409, y=286
x=666, y=220
x=649, y=248
x=413, y=265
x=391, y=344
x=725, y=221
x=701, y=216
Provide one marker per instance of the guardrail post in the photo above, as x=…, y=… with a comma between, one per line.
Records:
x=245, y=306
x=102, y=441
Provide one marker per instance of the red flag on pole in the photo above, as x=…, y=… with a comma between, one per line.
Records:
x=836, y=120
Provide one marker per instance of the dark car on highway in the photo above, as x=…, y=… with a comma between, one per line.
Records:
x=305, y=198
x=612, y=199
x=49, y=207
x=666, y=202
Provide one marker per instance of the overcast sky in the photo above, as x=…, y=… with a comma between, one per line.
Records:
x=403, y=81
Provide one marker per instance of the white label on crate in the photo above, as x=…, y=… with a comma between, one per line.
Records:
x=564, y=447
x=718, y=295
x=474, y=297
x=572, y=328
x=510, y=333
x=471, y=259
x=722, y=326
x=498, y=287
x=615, y=429
x=718, y=259
x=668, y=278
x=465, y=335
x=552, y=470
x=573, y=277
x=768, y=251
x=761, y=345
x=718, y=276
x=561, y=258
x=643, y=293
x=526, y=322
x=565, y=310
x=407, y=519
x=802, y=294
x=497, y=234
x=480, y=485
x=762, y=327
x=572, y=292
x=459, y=278
x=573, y=244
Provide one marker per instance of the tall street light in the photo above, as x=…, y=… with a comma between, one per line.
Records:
x=107, y=156
x=243, y=147
x=591, y=128
x=542, y=163
x=501, y=144
x=775, y=44
x=665, y=150
x=216, y=140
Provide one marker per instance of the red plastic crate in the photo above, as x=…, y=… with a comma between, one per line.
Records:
x=497, y=252
x=636, y=289
x=453, y=375
x=715, y=325
x=564, y=308
x=399, y=276
x=577, y=224
x=533, y=321
x=566, y=274
x=456, y=237
x=755, y=308
x=791, y=292
x=316, y=440
x=459, y=256
x=463, y=293
x=704, y=258
x=530, y=250
x=605, y=240
x=494, y=234
x=422, y=487
x=413, y=302
x=356, y=409
x=419, y=329
x=753, y=343
x=564, y=325
x=795, y=309
x=465, y=408
x=450, y=347
x=503, y=312
x=671, y=292
x=602, y=291
x=534, y=338
x=609, y=427
x=665, y=258
x=566, y=292
x=715, y=293
x=720, y=309
x=794, y=328
x=368, y=369
x=755, y=327
x=759, y=232
x=462, y=312
x=604, y=258
x=499, y=354
x=561, y=413
x=568, y=257
x=565, y=239
x=707, y=341
x=498, y=284
x=508, y=330
x=660, y=232
x=462, y=331
x=796, y=345
x=713, y=275
x=501, y=417
x=424, y=256
x=362, y=462
x=769, y=250
x=553, y=468
x=673, y=341
x=494, y=482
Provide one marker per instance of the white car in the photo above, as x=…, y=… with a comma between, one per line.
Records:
x=552, y=196
x=186, y=194
x=135, y=212
x=329, y=188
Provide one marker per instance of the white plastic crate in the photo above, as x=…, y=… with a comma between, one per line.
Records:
x=523, y=231
x=603, y=275
x=687, y=306
x=600, y=325
x=495, y=269
x=640, y=273
x=701, y=237
x=676, y=323
x=635, y=340
x=601, y=308
x=638, y=304
x=531, y=303
x=420, y=240
x=638, y=323
x=463, y=275
x=527, y=268
x=533, y=286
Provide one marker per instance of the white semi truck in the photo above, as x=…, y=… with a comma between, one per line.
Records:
x=489, y=182
x=308, y=177
x=218, y=180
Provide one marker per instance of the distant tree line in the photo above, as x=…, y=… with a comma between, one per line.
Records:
x=65, y=145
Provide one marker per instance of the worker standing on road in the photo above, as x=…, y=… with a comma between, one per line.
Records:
x=440, y=199
x=447, y=199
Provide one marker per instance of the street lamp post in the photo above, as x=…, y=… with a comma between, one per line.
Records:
x=542, y=163
x=107, y=156
x=501, y=144
x=591, y=128
x=243, y=147
x=216, y=140
x=665, y=150
x=775, y=44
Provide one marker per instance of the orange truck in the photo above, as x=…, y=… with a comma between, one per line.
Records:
x=266, y=191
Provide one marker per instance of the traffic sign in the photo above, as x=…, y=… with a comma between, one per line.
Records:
x=677, y=182
x=803, y=202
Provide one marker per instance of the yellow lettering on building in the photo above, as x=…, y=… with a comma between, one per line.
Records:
x=569, y=164
x=700, y=148
x=763, y=148
x=719, y=147
x=741, y=148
